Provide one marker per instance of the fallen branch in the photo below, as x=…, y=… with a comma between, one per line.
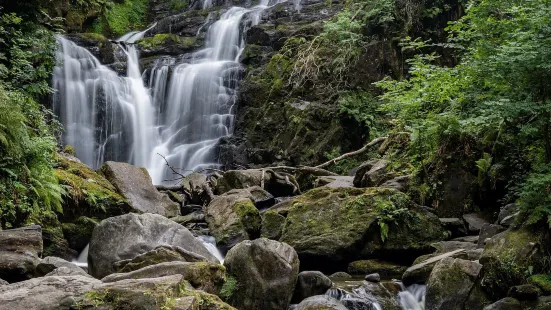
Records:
x=305, y=169
x=360, y=151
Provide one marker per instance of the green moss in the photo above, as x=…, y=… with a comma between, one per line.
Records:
x=383, y=268
x=248, y=214
x=93, y=36
x=542, y=281
x=162, y=39
x=69, y=150
x=119, y=18
x=272, y=225
x=229, y=287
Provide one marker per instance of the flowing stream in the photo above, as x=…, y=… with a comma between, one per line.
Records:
x=181, y=115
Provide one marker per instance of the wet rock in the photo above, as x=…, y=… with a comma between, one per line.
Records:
x=379, y=293
x=357, y=303
x=386, y=269
x=320, y=302
x=373, y=277
x=46, y=293
x=167, y=44
x=208, y=277
x=20, y=249
x=261, y=198
x=233, y=217
x=455, y=226
x=79, y=232
x=310, y=283
x=340, y=275
x=326, y=225
x=51, y=264
x=488, y=231
x=400, y=183
x=127, y=236
x=507, y=303
x=420, y=272
x=524, y=292
x=194, y=184
x=161, y=254
x=450, y=283
x=266, y=273
x=474, y=222
x=134, y=183
x=272, y=225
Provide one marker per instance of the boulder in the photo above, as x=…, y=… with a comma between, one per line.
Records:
x=266, y=273
x=507, y=255
x=379, y=293
x=67, y=271
x=310, y=283
x=51, y=263
x=191, y=218
x=420, y=272
x=277, y=184
x=332, y=226
x=507, y=211
x=543, y=303
x=449, y=246
x=455, y=226
x=232, y=217
x=160, y=254
x=261, y=198
x=471, y=239
x=375, y=176
x=542, y=281
x=474, y=222
x=320, y=302
x=272, y=225
x=488, y=231
x=79, y=232
x=46, y=293
x=194, y=184
x=524, y=292
x=384, y=268
x=509, y=220
x=335, y=181
x=507, y=303
x=20, y=250
x=450, y=284
x=474, y=254
x=340, y=275
x=208, y=277
x=170, y=292
x=127, y=236
x=400, y=183
x=134, y=184
x=373, y=277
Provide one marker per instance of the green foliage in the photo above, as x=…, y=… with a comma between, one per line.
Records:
x=165, y=38
x=393, y=211
x=228, y=288
x=363, y=107
x=535, y=197
x=28, y=186
x=121, y=17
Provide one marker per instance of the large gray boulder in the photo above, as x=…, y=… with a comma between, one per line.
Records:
x=50, y=264
x=160, y=254
x=20, y=250
x=320, y=302
x=134, y=184
x=450, y=284
x=233, y=217
x=420, y=272
x=507, y=303
x=207, y=277
x=488, y=231
x=127, y=236
x=507, y=211
x=46, y=293
x=266, y=272
x=311, y=283
x=375, y=176
x=279, y=184
x=474, y=222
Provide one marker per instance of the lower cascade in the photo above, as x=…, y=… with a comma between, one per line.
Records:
x=138, y=117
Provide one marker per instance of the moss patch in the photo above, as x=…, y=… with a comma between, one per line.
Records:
x=164, y=39
x=543, y=281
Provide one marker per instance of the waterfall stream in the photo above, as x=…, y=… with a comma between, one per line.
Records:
x=181, y=115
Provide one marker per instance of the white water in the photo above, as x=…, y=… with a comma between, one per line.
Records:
x=82, y=259
x=107, y=117
x=413, y=297
x=210, y=243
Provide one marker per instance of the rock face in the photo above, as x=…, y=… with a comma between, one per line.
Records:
x=450, y=284
x=266, y=272
x=338, y=225
x=134, y=184
x=233, y=217
x=507, y=303
x=161, y=254
x=19, y=252
x=376, y=174
x=455, y=226
x=488, y=231
x=207, y=277
x=127, y=236
x=320, y=302
x=277, y=184
x=51, y=264
x=420, y=272
x=272, y=225
x=47, y=293
x=474, y=222
x=310, y=283
x=387, y=269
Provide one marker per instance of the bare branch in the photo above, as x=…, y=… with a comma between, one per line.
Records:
x=360, y=151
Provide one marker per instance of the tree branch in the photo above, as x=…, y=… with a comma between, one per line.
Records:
x=360, y=151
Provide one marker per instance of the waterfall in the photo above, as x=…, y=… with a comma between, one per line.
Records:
x=210, y=243
x=82, y=259
x=413, y=297
x=181, y=115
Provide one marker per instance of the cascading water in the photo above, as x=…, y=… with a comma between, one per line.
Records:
x=412, y=297
x=210, y=243
x=107, y=117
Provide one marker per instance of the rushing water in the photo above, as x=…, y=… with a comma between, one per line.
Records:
x=210, y=243
x=180, y=115
x=82, y=259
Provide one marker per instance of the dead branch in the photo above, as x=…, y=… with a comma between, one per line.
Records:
x=360, y=151
x=304, y=169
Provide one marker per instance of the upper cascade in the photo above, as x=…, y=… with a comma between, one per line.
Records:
x=179, y=110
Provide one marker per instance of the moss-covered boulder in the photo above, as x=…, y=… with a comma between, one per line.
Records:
x=277, y=184
x=265, y=272
x=208, y=277
x=369, y=266
x=334, y=226
x=450, y=284
x=160, y=254
x=167, y=44
x=542, y=281
x=272, y=225
x=79, y=232
x=509, y=256
x=232, y=218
